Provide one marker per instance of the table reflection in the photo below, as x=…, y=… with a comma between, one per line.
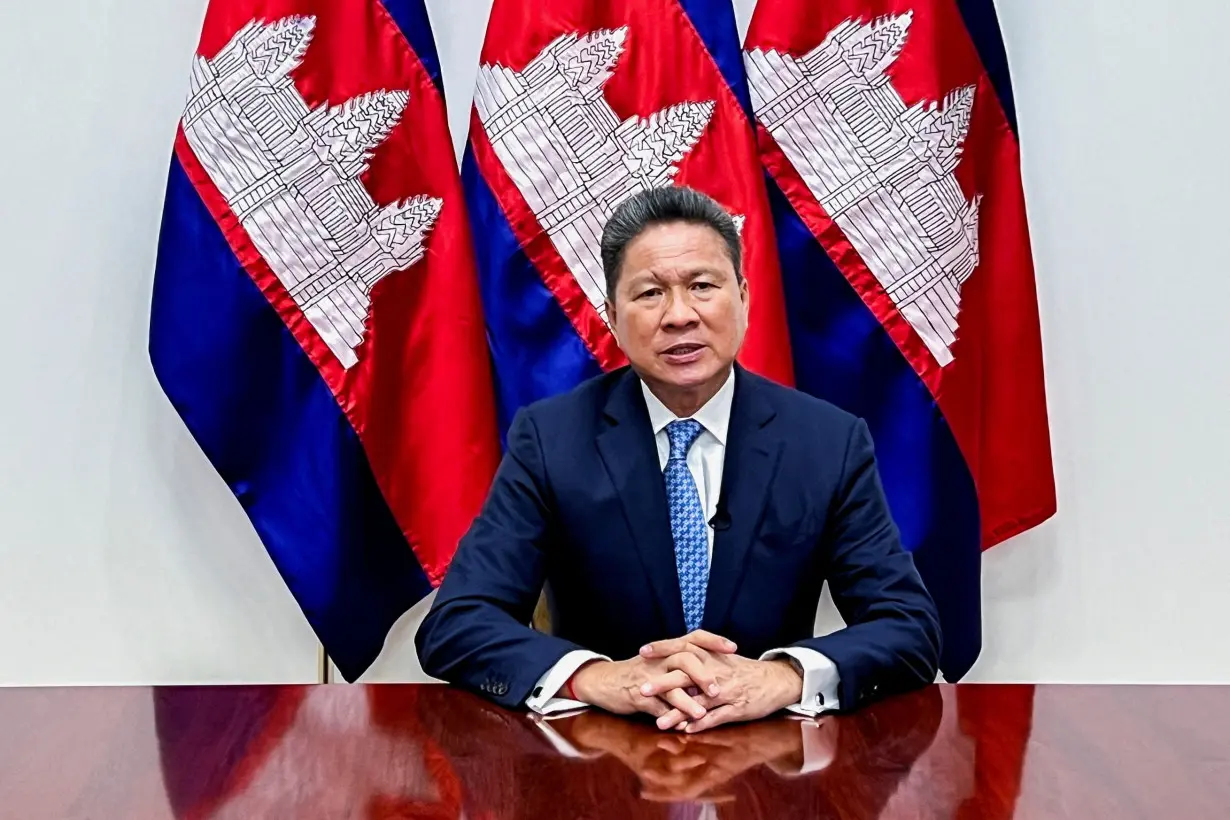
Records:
x=301, y=752
x=384, y=752
x=521, y=766
x=970, y=752
x=676, y=767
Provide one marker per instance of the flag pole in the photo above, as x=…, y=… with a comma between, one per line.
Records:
x=323, y=665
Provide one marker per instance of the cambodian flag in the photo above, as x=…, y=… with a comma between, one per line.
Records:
x=579, y=104
x=889, y=131
x=316, y=318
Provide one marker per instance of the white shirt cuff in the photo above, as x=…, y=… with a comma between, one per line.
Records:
x=820, y=680
x=542, y=697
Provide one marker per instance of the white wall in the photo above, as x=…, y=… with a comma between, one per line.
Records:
x=1123, y=115
x=123, y=557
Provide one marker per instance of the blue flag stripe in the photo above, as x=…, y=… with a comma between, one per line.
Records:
x=535, y=350
x=411, y=18
x=715, y=21
x=983, y=26
x=268, y=422
x=843, y=355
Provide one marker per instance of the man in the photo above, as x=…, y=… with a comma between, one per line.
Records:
x=684, y=514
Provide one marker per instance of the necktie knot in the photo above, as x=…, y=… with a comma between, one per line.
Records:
x=681, y=435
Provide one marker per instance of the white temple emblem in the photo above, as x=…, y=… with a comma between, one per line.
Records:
x=291, y=175
x=569, y=155
x=881, y=169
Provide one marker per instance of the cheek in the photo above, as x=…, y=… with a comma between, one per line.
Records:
x=637, y=328
x=727, y=323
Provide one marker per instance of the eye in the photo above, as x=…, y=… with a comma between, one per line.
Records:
x=648, y=292
x=703, y=285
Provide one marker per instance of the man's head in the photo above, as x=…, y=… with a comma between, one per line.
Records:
x=676, y=297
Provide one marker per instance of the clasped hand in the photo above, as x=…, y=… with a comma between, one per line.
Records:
x=691, y=683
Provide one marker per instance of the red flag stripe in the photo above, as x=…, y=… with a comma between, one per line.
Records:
x=424, y=345
x=992, y=393
x=722, y=163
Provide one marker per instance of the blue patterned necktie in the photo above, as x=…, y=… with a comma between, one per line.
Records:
x=687, y=522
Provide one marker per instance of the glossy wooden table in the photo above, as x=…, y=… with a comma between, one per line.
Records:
x=976, y=752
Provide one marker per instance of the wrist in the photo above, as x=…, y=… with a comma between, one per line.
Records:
x=790, y=675
x=581, y=686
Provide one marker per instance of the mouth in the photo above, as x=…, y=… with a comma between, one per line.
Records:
x=683, y=353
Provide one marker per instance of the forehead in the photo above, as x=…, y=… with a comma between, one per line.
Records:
x=681, y=247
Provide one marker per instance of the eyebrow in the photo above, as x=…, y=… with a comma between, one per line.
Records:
x=647, y=277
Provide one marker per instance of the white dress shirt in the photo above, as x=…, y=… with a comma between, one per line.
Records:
x=706, y=459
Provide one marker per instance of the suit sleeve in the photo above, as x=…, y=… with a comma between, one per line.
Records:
x=892, y=639
x=477, y=634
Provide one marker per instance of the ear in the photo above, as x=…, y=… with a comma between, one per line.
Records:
x=612, y=318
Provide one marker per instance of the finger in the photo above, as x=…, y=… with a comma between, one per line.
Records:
x=714, y=643
x=720, y=715
x=661, y=649
x=675, y=719
x=696, y=669
x=684, y=703
x=699, y=638
x=672, y=719
x=658, y=684
x=653, y=706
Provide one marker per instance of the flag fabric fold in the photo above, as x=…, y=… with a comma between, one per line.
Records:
x=316, y=317
x=887, y=128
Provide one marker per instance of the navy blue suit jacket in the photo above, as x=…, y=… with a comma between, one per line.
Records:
x=579, y=502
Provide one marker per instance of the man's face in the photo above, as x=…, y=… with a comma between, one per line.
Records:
x=679, y=311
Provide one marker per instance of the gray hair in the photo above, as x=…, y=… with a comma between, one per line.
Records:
x=655, y=207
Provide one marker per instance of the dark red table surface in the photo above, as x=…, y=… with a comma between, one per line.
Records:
x=977, y=752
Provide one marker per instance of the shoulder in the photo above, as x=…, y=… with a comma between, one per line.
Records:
x=821, y=442
x=801, y=411
x=564, y=425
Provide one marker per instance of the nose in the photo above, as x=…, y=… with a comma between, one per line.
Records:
x=679, y=311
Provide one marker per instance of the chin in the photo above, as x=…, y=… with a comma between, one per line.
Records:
x=696, y=374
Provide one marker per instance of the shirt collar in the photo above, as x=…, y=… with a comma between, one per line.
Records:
x=714, y=415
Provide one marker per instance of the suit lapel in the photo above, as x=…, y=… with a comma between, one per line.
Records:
x=752, y=452
x=631, y=457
